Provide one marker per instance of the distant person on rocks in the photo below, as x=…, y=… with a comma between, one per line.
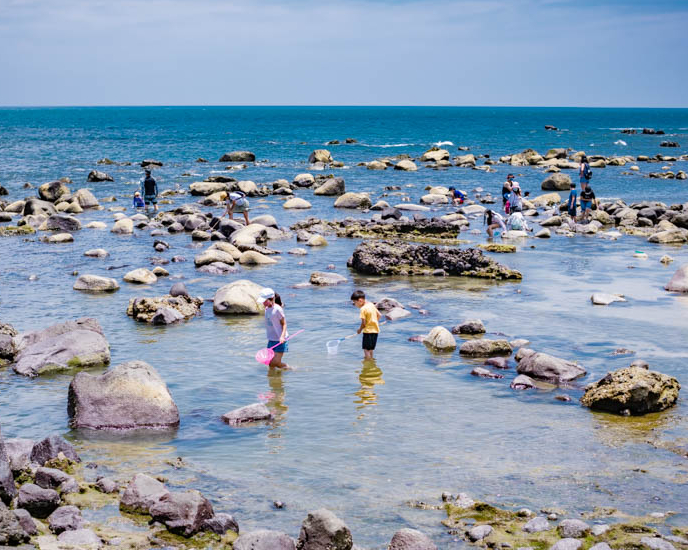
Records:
x=493, y=220
x=571, y=204
x=506, y=190
x=457, y=196
x=138, y=201
x=275, y=326
x=149, y=189
x=588, y=201
x=584, y=173
x=369, y=322
x=237, y=202
x=515, y=199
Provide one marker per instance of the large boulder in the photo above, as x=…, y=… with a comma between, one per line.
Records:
x=51, y=447
x=320, y=155
x=36, y=206
x=322, y=530
x=296, y=203
x=331, y=186
x=65, y=518
x=145, y=310
x=471, y=326
x=632, y=390
x=435, y=155
x=251, y=257
x=52, y=478
x=129, y=396
x=11, y=531
x=206, y=188
x=97, y=176
x=238, y=298
x=353, y=200
x=18, y=452
x=95, y=283
x=220, y=523
x=39, y=502
x=440, y=338
x=182, y=513
x=264, y=540
x=142, y=276
x=304, y=180
x=411, y=539
x=85, y=199
x=72, y=344
x=254, y=233
x=546, y=367
x=83, y=539
x=485, y=348
x=124, y=226
x=141, y=494
x=52, y=190
x=679, y=282
x=556, y=182
x=406, y=166
x=7, y=488
x=238, y=156
x=213, y=255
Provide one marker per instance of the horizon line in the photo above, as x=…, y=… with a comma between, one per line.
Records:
x=142, y=106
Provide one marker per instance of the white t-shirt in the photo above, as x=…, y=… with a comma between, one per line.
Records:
x=273, y=326
x=238, y=198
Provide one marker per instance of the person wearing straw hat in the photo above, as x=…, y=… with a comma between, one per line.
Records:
x=275, y=326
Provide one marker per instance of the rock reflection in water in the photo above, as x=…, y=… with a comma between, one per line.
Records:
x=369, y=377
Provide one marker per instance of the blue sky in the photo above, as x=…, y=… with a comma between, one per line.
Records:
x=624, y=53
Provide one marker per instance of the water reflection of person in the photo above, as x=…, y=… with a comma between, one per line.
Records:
x=276, y=401
x=369, y=377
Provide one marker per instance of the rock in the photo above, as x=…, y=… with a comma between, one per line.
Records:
x=316, y=240
x=406, y=165
x=376, y=165
x=251, y=257
x=220, y=523
x=573, y=528
x=263, y=540
x=296, y=203
x=387, y=304
x=551, y=369
x=397, y=313
x=26, y=522
x=479, y=532
x=61, y=222
x=179, y=289
x=484, y=373
x=298, y=251
x=603, y=299
x=35, y=207
x=141, y=276
x=322, y=278
x=674, y=236
x=331, y=187
x=556, y=182
x=146, y=310
x=484, y=348
x=95, y=283
x=141, y=493
x=551, y=221
x=40, y=503
x=129, y=396
x=97, y=176
x=599, y=529
x=249, y=413
x=166, y=316
x=208, y=188
x=151, y=163
x=65, y=518
x=63, y=346
x=497, y=362
x=666, y=260
x=396, y=257
x=353, y=200
x=544, y=233
x=183, y=513
x=304, y=180
x=61, y=238
x=96, y=253
x=465, y=161
x=679, y=282
x=124, y=226
x=566, y=544
x=237, y=298
x=411, y=539
x=85, y=199
x=107, y=485
x=83, y=539
x=522, y=382
x=633, y=389
x=18, y=452
x=11, y=531
x=50, y=448
x=320, y=155
x=96, y=225
x=227, y=247
x=537, y=524
x=322, y=530
x=440, y=338
x=213, y=255
x=238, y=156
x=656, y=543
x=471, y=326
x=7, y=487
x=52, y=478
x=52, y=191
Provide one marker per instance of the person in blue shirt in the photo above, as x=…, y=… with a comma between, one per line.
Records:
x=138, y=201
x=571, y=204
x=457, y=196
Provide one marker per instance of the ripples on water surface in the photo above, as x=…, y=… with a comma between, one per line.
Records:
x=359, y=438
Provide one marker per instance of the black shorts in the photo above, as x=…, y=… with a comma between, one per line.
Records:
x=148, y=199
x=369, y=340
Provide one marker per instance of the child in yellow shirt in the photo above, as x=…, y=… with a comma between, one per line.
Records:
x=369, y=322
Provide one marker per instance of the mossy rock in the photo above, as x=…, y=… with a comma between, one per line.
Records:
x=13, y=230
x=497, y=247
x=62, y=463
x=89, y=497
x=199, y=540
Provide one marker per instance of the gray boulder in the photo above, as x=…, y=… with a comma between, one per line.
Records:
x=264, y=540
x=567, y=544
x=573, y=529
x=537, y=524
x=50, y=448
x=52, y=190
x=98, y=176
x=11, y=531
x=479, y=532
x=166, y=316
x=39, y=502
x=179, y=289
x=249, y=413
x=107, y=485
x=331, y=187
x=141, y=493
x=86, y=199
x=556, y=182
x=95, y=283
x=26, y=521
x=679, y=282
x=52, y=478
x=65, y=518
x=238, y=156
x=73, y=344
x=183, y=513
x=472, y=326
x=411, y=539
x=237, y=298
x=656, y=543
x=551, y=369
x=84, y=539
x=129, y=396
x=322, y=530
x=323, y=278
x=220, y=523
x=7, y=488
x=62, y=222
x=18, y=451
x=37, y=206
x=484, y=347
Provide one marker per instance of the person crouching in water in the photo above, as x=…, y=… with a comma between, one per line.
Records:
x=237, y=202
x=457, y=196
x=138, y=201
x=275, y=326
x=493, y=220
x=369, y=322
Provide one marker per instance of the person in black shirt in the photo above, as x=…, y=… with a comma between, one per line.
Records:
x=587, y=200
x=149, y=190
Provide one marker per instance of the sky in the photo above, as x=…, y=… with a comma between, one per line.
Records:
x=604, y=53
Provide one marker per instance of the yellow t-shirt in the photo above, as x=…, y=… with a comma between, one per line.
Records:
x=369, y=315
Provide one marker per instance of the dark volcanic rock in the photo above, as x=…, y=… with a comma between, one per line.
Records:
x=142, y=492
x=11, y=531
x=399, y=258
x=40, y=503
x=50, y=448
x=37, y=206
x=264, y=540
x=547, y=367
x=7, y=488
x=322, y=530
x=65, y=518
x=183, y=513
x=220, y=523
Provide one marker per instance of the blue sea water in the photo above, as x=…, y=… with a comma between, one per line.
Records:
x=360, y=439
